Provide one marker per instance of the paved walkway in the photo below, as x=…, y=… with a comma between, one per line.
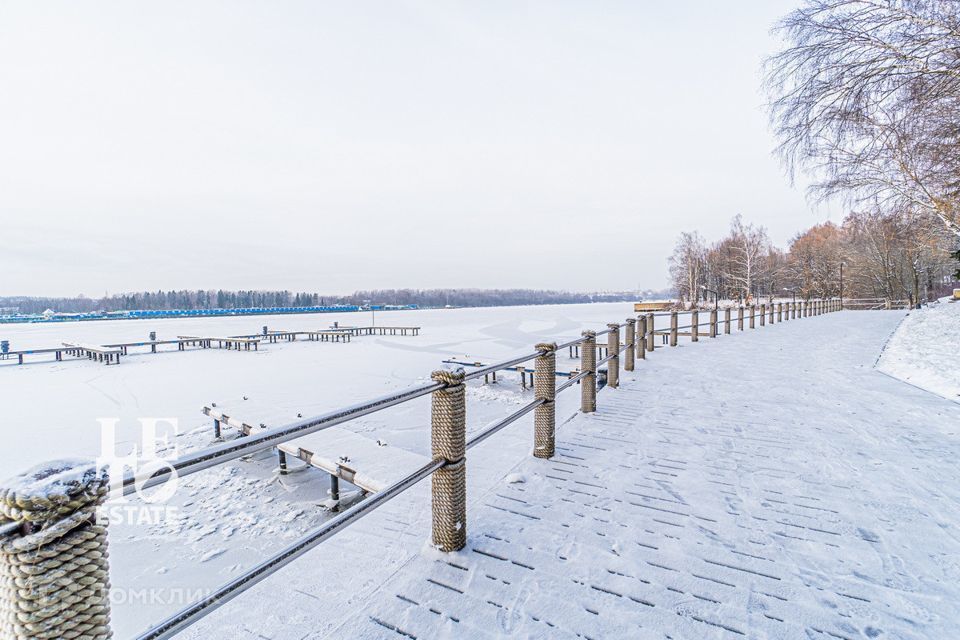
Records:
x=770, y=485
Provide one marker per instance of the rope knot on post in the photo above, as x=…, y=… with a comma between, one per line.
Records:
x=448, y=442
x=54, y=578
x=545, y=388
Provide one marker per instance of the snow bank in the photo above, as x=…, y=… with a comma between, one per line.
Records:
x=923, y=351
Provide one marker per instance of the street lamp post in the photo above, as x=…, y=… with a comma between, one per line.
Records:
x=841, y=285
x=716, y=296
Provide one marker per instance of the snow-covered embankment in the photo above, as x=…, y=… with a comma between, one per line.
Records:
x=925, y=350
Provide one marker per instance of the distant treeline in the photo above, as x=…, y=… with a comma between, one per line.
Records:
x=210, y=299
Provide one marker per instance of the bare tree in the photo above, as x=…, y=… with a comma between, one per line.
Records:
x=688, y=266
x=749, y=251
x=867, y=98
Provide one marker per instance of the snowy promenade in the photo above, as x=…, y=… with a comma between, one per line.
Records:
x=767, y=485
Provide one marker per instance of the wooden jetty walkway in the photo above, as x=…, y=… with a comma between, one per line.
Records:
x=110, y=353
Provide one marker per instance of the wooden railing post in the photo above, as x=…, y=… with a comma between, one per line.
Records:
x=448, y=441
x=694, y=326
x=545, y=388
x=779, y=312
x=740, y=318
x=630, y=340
x=753, y=316
x=641, y=337
x=763, y=314
x=650, y=329
x=770, y=318
x=613, y=350
x=588, y=365
x=713, y=323
x=726, y=320
x=673, y=328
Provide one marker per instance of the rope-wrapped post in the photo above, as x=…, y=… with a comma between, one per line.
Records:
x=613, y=350
x=726, y=320
x=713, y=323
x=641, y=337
x=753, y=316
x=630, y=337
x=545, y=388
x=448, y=442
x=54, y=576
x=650, y=334
x=740, y=318
x=588, y=365
x=673, y=328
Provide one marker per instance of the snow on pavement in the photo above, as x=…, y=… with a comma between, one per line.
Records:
x=767, y=485
x=923, y=351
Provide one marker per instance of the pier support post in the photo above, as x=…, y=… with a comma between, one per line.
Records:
x=56, y=581
x=545, y=388
x=613, y=350
x=694, y=326
x=630, y=339
x=448, y=442
x=673, y=328
x=588, y=365
x=713, y=323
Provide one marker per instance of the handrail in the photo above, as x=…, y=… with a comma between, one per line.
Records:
x=193, y=612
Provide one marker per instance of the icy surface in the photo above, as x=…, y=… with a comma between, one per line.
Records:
x=768, y=485
x=925, y=350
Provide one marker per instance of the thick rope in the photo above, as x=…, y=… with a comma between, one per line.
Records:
x=588, y=363
x=545, y=388
x=448, y=442
x=54, y=580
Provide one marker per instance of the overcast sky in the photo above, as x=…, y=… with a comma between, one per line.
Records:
x=335, y=146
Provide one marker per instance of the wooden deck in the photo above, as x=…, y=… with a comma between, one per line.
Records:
x=663, y=516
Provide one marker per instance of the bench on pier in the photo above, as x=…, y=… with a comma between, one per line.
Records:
x=223, y=342
x=97, y=352
x=492, y=376
x=363, y=462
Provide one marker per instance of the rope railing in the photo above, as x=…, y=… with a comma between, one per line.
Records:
x=447, y=467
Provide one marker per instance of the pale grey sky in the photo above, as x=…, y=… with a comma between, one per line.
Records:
x=334, y=146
